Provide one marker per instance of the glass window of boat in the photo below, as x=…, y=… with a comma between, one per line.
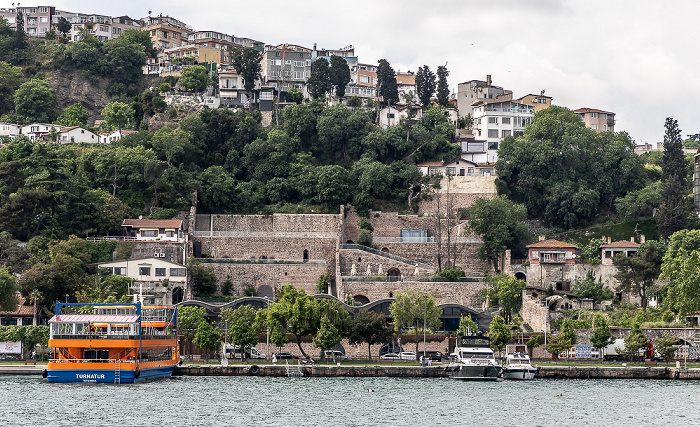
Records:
x=160, y=271
x=476, y=355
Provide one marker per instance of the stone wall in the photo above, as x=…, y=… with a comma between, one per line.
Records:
x=291, y=249
x=277, y=223
x=449, y=203
x=427, y=253
x=465, y=293
x=362, y=260
x=302, y=276
x=174, y=252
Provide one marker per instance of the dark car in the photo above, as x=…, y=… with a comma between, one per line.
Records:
x=436, y=356
x=284, y=355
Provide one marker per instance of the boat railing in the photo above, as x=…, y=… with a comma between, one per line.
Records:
x=92, y=336
x=122, y=361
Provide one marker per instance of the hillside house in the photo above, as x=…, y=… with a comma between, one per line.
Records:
x=151, y=230
x=624, y=247
x=76, y=134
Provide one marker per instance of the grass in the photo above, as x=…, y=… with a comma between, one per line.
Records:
x=617, y=231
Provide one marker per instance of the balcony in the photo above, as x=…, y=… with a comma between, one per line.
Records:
x=611, y=122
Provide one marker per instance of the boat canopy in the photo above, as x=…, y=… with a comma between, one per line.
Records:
x=95, y=318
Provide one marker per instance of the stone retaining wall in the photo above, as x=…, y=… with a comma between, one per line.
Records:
x=465, y=293
x=302, y=276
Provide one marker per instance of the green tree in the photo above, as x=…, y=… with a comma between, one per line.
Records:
x=188, y=320
x=664, y=346
x=507, y=292
x=387, y=87
x=637, y=273
x=296, y=313
x=20, y=42
x=8, y=290
x=500, y=223
x=411, y=308
x=673, y=210
x=73, y=115
x=681, y=268
x=246, y=61
x=601, y=337
x=327, y=336
x=195, y=78
x=34, y=101
x=589, y=287
x=319, y=83
x=425, y=85
x=203, y=279
x=118, y=115
x=564, y=340
x=467, y=325
x=443, y=89
x=293, y=95
x=369, y=327
x=324, y=282
x=207, y=337
x=125, y=56
x=63, y=26
x=340, y=75
x=634, y=341
x=533, y=342
x=10, y=79
x=500, y=334
x=242, y=326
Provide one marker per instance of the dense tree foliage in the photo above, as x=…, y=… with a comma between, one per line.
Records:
x=34, y=101
x=340, y=75
x=564, y=172
x=443, y=89
x=387, y=87
x=411, y=308
x=319, y=83
x=638, y=273
x=673, y=210
x=506, y=292
x=425, y=85
x=681, y=268
x=195, y=78
x=246, y=61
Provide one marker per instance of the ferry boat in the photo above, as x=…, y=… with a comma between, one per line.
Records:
x=473, y=359
x=112, y=343
x=518, y=367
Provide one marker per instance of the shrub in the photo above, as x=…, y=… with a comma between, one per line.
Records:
x=164, y=87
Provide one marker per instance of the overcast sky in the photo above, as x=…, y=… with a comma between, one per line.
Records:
x=635, y=58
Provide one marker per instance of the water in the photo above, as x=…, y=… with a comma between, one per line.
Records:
x=258, y=401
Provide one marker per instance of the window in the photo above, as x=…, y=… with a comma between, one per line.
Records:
x=493, y=145
x=364, y=79
x=104, y=28
x=415, y=236
x=493, y=119
x=308, y=62
x=149, y=233
x=505, y=120
x=287, y=62
x=298, y=75
x=160, y=272
x=144, y=271
x=298, y=63
x=451, y=171
x=505, y=133
x=594, y=127
x=43, y=19
x=493, y=133
x=390, y=115
x=180, y=272
x=170, y=233
x=43, y=9
x=594, y=115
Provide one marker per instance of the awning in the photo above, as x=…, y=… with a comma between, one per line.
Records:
x=95, y=318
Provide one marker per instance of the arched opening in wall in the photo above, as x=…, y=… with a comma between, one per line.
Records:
x=178, y=295
x=521, y=276
x=393, y=274
x=266, y=291
x=361, y=299
x=262, y=258
x=306, y=255
x=349, y=242
x=386, y=250
x=391, y=295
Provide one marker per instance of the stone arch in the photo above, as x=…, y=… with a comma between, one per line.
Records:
x=393, y=274
x=349, y=242
x=262, y=258
x=306, y=255
x=521, y=276
x=385, y=249
x=361, y=299
x=266, y=291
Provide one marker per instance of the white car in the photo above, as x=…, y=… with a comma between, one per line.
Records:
x=390, y=356
x=407, y=355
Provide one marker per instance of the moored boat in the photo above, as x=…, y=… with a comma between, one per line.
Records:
x=473, y=359
x=518, y=367
x=112, y=343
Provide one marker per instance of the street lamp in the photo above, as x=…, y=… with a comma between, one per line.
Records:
x=267, y=345
x=425, y=318
x=66, y=298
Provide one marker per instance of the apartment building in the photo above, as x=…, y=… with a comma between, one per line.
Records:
x=538, y=102
x=366, y=85
x=496, y=120
x=37, y=20
x=475, y=90
x=166, y=32
x=285, y=66
x=597, y=120
x=406, y=84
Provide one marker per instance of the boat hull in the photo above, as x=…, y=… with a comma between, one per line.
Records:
x=108, y=375
x=519, y=373
x=476, y=372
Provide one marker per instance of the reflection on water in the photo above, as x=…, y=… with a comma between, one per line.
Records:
x=234, y=401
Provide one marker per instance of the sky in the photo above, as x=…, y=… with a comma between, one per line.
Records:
x=634, y=58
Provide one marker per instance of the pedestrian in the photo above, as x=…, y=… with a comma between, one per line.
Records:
x=430, y=361
x=274, y=359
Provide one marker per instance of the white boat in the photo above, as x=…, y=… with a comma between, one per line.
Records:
x=518, y=367
x=473, y=359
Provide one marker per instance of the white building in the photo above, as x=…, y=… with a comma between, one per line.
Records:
x=494, y=121
x=38, y=131
x=114, y=136
x=76, y=134
x=9, y=130
x=153, y=230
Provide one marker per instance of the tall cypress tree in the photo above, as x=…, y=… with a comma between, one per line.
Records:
x=319, y=82
x=673, y=211
x=340, y=75
x=387, y=87
x=443, y=89
x=425, y=85
x=20, y=42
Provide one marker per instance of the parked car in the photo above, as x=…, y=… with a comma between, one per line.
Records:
x=436, y=356
x=337, y=354
x=390, y=356
x=407, y=355
x=284, y=355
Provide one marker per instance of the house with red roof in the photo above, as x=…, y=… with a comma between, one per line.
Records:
x=76, y=134
x=23, y=314
x=612, y=249
x=552, y=264
x=152, y=230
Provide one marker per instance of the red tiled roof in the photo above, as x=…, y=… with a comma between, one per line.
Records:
x=591, y=110
x=66, y=129
x=551, y=243
x=139, y=223
x=621, y=244
x=21, y=309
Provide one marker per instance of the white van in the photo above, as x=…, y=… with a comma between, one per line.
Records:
x=234, y=352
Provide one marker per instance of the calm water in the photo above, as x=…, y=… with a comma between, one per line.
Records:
x=239, y=401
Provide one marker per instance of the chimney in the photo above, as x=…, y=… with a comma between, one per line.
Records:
x=488, y=80
x=642, y=238
x=609, y=240
x=541, y=238
x=632, y=239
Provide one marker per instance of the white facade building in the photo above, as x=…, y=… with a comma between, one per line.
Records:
x=494, y=121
